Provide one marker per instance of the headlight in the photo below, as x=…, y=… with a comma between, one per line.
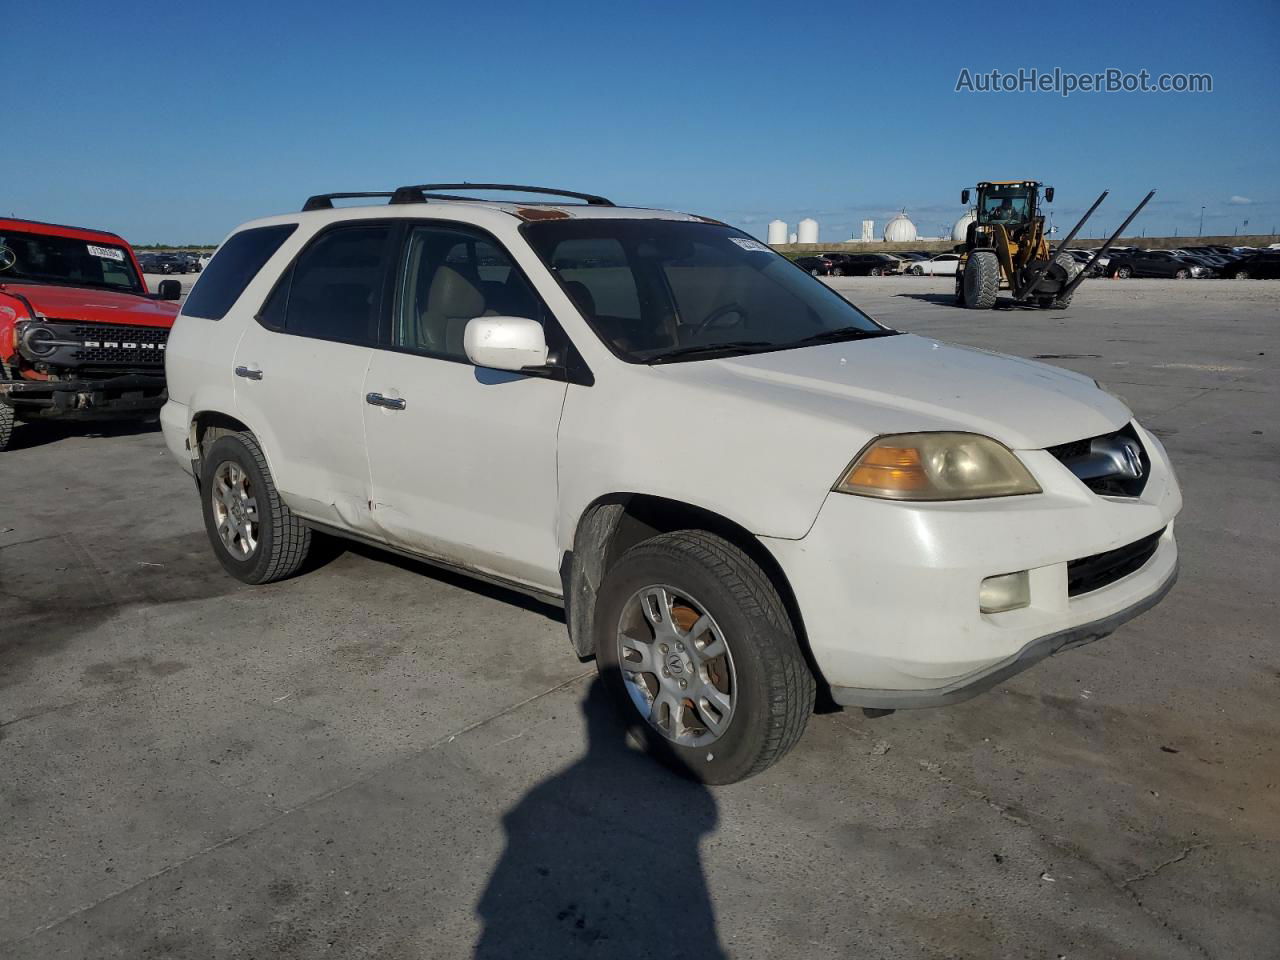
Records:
x=937, y=466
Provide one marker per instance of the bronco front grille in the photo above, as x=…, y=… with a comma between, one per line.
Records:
x=106, y=343
x=1093, y=573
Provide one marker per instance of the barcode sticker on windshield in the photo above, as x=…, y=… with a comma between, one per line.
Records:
x=746, y=244
x=106, y=253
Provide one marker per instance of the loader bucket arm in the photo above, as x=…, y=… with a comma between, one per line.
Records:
x=1067, y=290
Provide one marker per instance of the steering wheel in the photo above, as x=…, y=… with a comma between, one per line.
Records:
x=7, y=257
x=719, y=312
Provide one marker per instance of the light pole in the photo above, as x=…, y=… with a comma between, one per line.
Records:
x=1201, y=220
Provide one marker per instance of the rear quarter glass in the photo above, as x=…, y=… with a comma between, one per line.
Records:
x=235, y=264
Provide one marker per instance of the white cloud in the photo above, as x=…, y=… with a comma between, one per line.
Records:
x=1239, y=201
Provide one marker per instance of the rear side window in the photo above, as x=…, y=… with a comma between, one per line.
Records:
x=235, y=264
x=336, y=288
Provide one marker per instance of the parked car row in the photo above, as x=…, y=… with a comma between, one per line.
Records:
x=166, y=263
x=1198, y=262
x=1185, y=263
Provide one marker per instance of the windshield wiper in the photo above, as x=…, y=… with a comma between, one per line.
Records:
x=839, y=335
x=704, y=349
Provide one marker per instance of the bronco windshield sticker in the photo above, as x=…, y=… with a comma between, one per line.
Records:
x=106, y=253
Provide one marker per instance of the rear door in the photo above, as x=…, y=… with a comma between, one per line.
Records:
x=300, y=370
x=463, y=459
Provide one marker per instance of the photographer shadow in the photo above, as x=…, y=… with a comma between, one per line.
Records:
x=602, y=859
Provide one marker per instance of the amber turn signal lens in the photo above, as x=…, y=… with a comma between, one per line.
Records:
x=889, y=468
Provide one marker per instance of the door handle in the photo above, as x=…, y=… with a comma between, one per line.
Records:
x=249, y=373
x=390, y=403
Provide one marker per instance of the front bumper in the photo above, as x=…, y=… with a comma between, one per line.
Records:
x=129, y=395
x=888, y=592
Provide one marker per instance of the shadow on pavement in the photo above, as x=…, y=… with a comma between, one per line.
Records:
x=602, y=859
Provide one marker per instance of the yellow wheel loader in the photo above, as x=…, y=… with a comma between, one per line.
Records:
x=1006, y=247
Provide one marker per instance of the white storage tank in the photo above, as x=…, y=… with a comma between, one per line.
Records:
x=777, y=232
x=900, y=230
x=868, y=231
x=960, y=231
x=807, y=230
x=791, y=238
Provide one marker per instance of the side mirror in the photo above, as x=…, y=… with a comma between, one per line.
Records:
x=1048, y=194
x=505, y=343
x=964, y=197
x=170, y=290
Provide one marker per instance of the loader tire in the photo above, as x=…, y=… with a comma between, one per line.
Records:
x=1072, y=269
x=981, y=280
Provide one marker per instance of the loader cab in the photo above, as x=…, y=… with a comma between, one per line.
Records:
x=1010, y=203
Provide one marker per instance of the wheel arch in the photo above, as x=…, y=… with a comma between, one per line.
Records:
x=206, y=427
x=614, y=522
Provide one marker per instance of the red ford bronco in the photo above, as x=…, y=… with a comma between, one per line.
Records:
x=81, y=338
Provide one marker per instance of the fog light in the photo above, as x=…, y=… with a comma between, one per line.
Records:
x=1009, y=591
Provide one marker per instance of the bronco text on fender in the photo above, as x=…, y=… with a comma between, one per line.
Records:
x=80, y=336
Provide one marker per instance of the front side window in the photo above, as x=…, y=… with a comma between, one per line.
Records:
x=44, y=258
x=451, y=275
x=654, y=290
x=336, y=288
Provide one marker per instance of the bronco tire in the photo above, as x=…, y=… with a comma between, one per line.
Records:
x=6, y=426
x=701, y=657
x=981, y=280
x=256, y=537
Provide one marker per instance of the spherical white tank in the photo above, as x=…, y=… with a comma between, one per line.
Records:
x=900, y=230
x=960, y=231
x=807, y=230
x=777, y=232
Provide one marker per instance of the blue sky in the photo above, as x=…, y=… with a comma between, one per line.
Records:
x=173, y=122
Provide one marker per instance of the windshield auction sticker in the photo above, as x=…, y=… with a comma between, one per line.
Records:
x=106, y=253
x=746, y=244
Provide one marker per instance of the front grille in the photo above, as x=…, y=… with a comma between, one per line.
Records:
x=1093, y=573
x=109, y=344
x=1094, y=463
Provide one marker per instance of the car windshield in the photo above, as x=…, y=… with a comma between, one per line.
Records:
x=654, y=290
x=42, y=258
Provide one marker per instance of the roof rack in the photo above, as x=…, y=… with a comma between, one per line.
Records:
x=324, y=201
x=422, y=192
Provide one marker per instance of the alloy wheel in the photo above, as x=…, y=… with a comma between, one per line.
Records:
x=676, y=665
x=235, y=509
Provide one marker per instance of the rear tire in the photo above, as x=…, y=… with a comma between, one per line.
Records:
x=763, y=678
x=981, y=280
x=875, y=271
x=1241, y=275
x=256, y=537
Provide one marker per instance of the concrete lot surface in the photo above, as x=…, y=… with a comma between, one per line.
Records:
x=375, y=760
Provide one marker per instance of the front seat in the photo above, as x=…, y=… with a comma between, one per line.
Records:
x=451, y=302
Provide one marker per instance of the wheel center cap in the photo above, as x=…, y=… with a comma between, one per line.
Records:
x=675, y=665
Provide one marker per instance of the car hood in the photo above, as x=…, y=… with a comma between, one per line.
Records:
x=93, y=305
x=905, y=383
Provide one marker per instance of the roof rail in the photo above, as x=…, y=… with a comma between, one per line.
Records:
x=422, y=192
x=324, y=201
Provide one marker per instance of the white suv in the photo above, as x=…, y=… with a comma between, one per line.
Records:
x=742, y=489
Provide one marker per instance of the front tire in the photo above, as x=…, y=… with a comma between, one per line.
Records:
x=701, y=657
x=6, y=426
x=1241, y=275
x=1182, y=275
x=1071, y=269
x=981, y=280
x=255, y=536
x=875, y=271
x=1123, y=273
